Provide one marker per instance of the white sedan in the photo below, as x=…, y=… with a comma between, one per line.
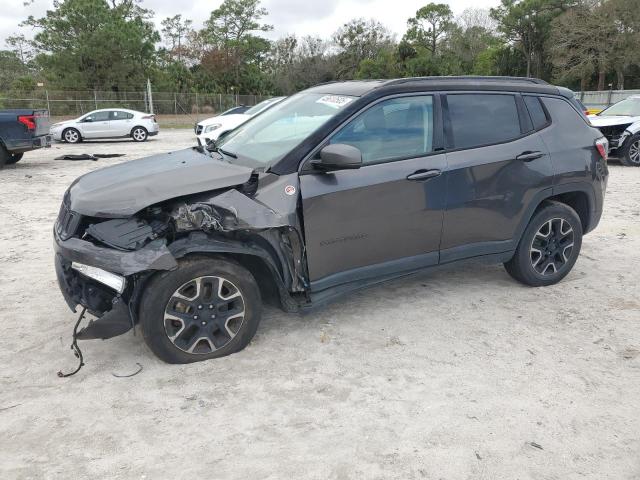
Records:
x=107, y=123
x=211, y=128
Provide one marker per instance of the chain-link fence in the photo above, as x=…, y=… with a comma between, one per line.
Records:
x=171, y=109
x=185, y=109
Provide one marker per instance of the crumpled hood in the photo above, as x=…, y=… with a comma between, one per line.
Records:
x=609, y=121
x=124, y=189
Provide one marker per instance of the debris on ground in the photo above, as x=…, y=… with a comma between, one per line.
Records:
x=630, y=353
x=130, y=374
x=536, y=445
x=89, y=156
x=10, y=407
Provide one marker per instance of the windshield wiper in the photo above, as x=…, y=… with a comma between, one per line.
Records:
x=228, y=154
x=213, y=147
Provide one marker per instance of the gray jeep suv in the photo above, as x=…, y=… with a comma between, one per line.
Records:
x=337, y=187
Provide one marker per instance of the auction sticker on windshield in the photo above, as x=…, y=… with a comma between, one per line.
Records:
x=334, y=101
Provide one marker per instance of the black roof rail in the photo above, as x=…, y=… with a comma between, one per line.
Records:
x=470, y=77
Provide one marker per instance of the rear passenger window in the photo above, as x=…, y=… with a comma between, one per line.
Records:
x=538, y=116
x=391, y=130
x=119, y=115
x=483, y=119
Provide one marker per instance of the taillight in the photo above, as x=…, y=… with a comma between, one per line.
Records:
x=150, y=117
x=28, y=120
x=602, y=145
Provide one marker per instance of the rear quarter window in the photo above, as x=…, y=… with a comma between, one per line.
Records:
x=483, y=119
x=536, y=112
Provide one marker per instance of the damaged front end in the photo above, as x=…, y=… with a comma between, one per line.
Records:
x=616, y=135
x=104, y=258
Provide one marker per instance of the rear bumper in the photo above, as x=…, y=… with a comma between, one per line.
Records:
x=28, y=144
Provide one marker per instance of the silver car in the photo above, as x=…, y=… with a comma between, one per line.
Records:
x=107, y=123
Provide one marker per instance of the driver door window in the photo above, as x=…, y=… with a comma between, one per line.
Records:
x=97, y=117
x=394, y=129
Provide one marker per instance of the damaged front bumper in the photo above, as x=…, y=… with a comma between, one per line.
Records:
x=95, y=289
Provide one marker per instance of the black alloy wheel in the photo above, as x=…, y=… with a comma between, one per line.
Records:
x=204, y=315
x=206, y=308
x=551, y=246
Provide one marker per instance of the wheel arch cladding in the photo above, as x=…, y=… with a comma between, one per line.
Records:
x=579, y=201
x=264, y=266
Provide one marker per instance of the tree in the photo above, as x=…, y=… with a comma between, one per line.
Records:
x=624, y=15
x=298, y=63
x=467, y=38
x=95, y=44
x=595, y=37
x=360, y=40
x=22, y=47
x=579, y=45
x=11, y=70
x=477, y=17
x=527, y=24
x=176, y=31
x=232, y=46
x=429, y=26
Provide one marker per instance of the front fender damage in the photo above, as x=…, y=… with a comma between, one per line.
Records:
x=256, y=220
x=241, y=223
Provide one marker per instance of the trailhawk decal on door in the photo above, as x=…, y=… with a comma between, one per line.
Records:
x=349, y=238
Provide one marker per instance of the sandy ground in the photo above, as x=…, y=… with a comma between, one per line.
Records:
x=460, y=374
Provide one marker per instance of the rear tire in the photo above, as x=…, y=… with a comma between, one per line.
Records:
x=4, y=156
x=630, y=152
x=14, y=158
x=71, y=135
x=208, y=307
x=549, y=246
x=139, y=134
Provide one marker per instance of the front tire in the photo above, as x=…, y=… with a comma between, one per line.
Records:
x=71, y=135
x=139, y=134
x=14, y=158
x=208, y=307
x=549, y=246
x=630, y=154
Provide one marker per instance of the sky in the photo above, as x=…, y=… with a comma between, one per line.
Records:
x=300, y=17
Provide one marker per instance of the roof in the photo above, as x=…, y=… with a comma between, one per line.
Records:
x=116, y=108
x=360, y=88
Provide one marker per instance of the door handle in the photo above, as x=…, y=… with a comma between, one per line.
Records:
x=528, y=156
x=424, y=174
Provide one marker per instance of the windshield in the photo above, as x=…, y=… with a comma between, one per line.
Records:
x=267, y=138
x=261, y=106
x=628, y=108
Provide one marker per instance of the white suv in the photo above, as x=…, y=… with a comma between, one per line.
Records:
x=211, y=128
x=107, y=123
x=620, y=123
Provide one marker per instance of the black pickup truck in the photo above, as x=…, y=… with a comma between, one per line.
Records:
x=22, y=130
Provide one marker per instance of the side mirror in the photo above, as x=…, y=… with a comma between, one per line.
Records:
x=88, y=119
x=338, y=156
